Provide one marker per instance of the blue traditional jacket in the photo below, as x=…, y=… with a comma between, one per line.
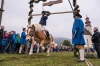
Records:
x=77, y=31
x=23, y=38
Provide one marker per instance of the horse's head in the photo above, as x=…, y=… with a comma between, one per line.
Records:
x=31, y=30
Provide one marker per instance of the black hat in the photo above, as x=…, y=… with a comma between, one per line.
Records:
x=23, y=29
x=78, y=15
x=43, y=12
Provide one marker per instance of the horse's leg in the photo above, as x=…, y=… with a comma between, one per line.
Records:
x=41, y=43
x=32, y=45
x=49, y=47
x=48, y=50
x=26, y=48
x=27, y=43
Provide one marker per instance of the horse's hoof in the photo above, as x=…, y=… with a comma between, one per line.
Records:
x=48, y=55
x=30, y=54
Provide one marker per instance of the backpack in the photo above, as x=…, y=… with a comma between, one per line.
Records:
x=4, y=42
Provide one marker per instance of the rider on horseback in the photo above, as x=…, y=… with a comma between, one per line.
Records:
x=43, y=23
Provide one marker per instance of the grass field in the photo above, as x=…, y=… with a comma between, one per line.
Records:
x=40, y=59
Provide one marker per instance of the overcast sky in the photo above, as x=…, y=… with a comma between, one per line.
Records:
x=16, y=15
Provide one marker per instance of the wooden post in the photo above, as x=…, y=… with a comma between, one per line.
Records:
x=54, y=13
x=1, y=11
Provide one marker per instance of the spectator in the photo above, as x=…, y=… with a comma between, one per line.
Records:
x=22, y=40
x=9, y=43
x=4, y=41
x=1, y=36
x=96, y=40
x=18, y=42
x=14, y=42
x=5, y=34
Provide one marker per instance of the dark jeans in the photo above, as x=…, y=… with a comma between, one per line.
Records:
x=13, y=48
x=17, y=48
x=2, y=49
x=0, y=45
x=97, y=47
x=7, y=48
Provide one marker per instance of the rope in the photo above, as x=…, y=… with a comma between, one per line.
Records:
x=88, y=63
x=71, y=6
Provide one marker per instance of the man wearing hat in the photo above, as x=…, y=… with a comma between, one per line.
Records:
x=77, y=36
x=43, y=23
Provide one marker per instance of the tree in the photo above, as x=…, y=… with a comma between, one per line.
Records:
x=66, y=42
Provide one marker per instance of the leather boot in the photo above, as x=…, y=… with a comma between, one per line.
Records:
x=47, y=34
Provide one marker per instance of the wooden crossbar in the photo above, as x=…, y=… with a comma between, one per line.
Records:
x=54, y=13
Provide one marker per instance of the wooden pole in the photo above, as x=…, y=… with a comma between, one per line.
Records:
x=2, y=4
x=54, y=13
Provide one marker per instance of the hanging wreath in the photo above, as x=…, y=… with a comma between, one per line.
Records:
x=31, y=10
x=47, y=13
x=74, y=3
x=76, y=7
x=44, y=0
x=37, y=1
x=1, y=9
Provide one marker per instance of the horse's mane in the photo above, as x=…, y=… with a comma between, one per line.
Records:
x=38, y=27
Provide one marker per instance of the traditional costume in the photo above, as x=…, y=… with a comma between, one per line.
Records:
x=43, y=23
x=78, y=39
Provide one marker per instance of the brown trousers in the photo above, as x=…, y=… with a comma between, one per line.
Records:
x=80, y=46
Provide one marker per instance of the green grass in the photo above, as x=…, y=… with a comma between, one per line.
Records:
x=40, y=59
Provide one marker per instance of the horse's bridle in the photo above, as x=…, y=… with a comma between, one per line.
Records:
x=33, y=32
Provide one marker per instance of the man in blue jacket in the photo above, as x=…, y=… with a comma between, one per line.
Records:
x=43, y=23
x=77, y=36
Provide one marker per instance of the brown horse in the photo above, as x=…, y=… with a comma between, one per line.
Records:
x=36, y=32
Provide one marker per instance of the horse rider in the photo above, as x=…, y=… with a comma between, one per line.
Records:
x=43, y=23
